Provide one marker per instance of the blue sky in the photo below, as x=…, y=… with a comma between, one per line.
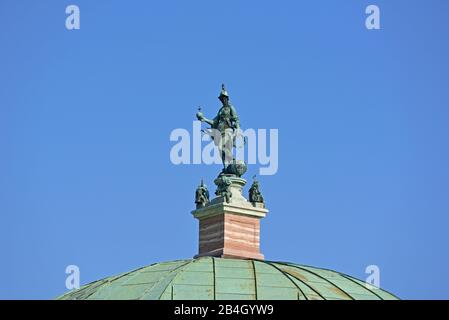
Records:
x=85, y=119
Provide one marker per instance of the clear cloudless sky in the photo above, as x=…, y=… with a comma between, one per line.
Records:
x=85, y=119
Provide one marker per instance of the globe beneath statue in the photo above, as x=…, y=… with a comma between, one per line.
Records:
x=237, y=167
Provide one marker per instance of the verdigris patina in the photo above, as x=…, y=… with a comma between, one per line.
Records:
x=236, y=167
x=255, y=196
x=226, y=133
x=223, y=183
x=201, y=195
x=224, y=127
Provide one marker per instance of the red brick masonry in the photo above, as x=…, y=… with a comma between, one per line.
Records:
x=230, y=235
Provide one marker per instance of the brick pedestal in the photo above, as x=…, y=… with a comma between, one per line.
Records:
x=230, y=230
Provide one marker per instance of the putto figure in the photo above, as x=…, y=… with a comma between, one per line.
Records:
x=201, y=195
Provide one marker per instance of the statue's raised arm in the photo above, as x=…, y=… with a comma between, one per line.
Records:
x=200, y=117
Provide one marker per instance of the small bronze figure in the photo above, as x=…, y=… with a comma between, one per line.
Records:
x=255, y=196
x=223, y=187
x=201, y=195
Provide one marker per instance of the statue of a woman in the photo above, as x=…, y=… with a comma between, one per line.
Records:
x=226, y=123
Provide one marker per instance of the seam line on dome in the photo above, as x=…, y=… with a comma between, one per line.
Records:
x=213, y=281
x=294, y=283
x=319, y=276
x=176, y=275
x=350, y=279
x=163, y=278
x=303, y=282
x=79, y=292
x=138, y=271
x=255, y=278
x=347, y=277
x=105, y=283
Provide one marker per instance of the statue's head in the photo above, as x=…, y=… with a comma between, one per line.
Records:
x=223, y=97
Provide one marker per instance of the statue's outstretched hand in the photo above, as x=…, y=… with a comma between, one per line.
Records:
x=200, y=116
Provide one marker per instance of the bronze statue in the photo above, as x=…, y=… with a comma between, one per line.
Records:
x=224, y=130
x=255, y=196
x=223, y=187
x=226, y=122
x=201, y=195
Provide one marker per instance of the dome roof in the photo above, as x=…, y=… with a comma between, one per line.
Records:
x=210, y=278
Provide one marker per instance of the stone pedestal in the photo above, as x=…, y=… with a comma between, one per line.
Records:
x=230, y=229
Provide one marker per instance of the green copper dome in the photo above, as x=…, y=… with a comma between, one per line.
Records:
x=210, y=278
